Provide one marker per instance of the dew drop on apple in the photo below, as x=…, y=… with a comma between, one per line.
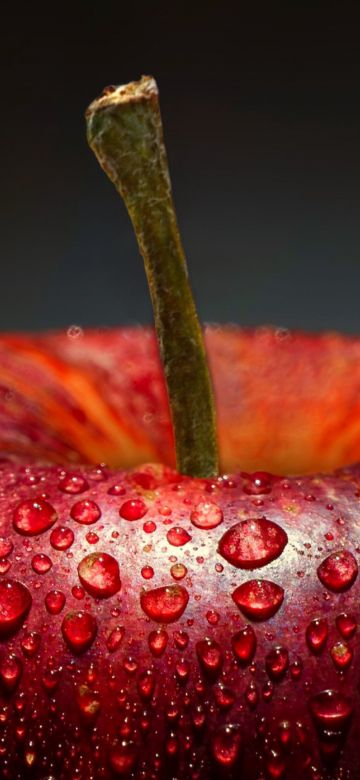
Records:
x=331, y=710
x=33, y=517
x=73, y=484
x=244, y=645
x=61, y=537
x=6, y=547
x=252, y=543
x=178, y=536
x=149, y=527
x=316, y=635
x=30, y=643
x=251, y=695
x=341, y=654
x=88, y=702
x=55, y=601
x=147, y=572
x=224, y=697
x=258, y=599
x=92, y=537
x=346, y=625
x=338, y=571
x=226, y=744
x=5, y=565
x=210, y=656
x=123, y=757
x=277, y=662
x=206, y=515
x=158, y=641
x=259, y=483
x=116, y=490
x=178, y=571
x=181, y=639
x=115, y=639
x=133, y=509
x=15, y=603
x=41, y=563
x=85, y=512
x=78, y=592
x=79, y=630
x=165, y=604
x=100, y=575
x=146, y=684
x=182, y=669
x=275, y=764
x=11, y=670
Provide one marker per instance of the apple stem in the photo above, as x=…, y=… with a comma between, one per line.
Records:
x=125, y=132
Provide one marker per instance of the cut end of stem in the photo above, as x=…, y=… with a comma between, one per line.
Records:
x=125, y=132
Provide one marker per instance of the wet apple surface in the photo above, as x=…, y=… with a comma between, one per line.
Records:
x=161, y=643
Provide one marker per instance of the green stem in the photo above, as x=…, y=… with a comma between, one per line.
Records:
x=125, y=132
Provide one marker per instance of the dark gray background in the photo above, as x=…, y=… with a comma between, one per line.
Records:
x=260, y=105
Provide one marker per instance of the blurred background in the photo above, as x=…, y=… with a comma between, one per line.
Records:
x=261, y=112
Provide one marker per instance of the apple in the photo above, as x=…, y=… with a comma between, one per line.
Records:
x=159, y=623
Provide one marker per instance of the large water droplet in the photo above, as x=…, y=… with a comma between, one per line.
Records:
x=178, y=536
x=79, y=630
x=165, y=604
x=244, y=645
x=316, y=635
x=210, y=656
x=85, y=512
x=258, y=599
x=277, y=662
x=331, y=710
x=99, y=574
x=252, y=543
x=226, y=745
x=338, y=571
x=61, y=538
x=34, y=516
x=73, y=484
x=206, y=515
x=133, y=509
x=15, y=603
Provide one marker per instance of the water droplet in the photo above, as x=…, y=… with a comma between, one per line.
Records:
x=210, y=656
x=79, y=630
x=5, y=565
x=15, y=603
x=6, y=547
x=61, y=537
x=331, y=710
x=177, y=536
x=146, y=684
x=316, y=635
x=277, y=662
x=224, y=697
x=253, y=543
x=158, y=642
x=92, y=537
x=133, y=509
x=338, y=571
x=346, y=625
x=206, y=515
x=78, y=592
x=55, y=601
x=41, y=563
x=147, y=572
x=244, y=645
x=99, y=574
x=341, y=654
x=259, y=483
x=34, y=516
x=73, y=484
x=181, y=639
x=123, y=757
x=226, y=744
x=88, y=702
x=178, y=571
x=149, y=527
x=85, y=512
x=30, y=643
x=11, y=669
x=116, y=490
x=275, y=765
x=115, y=638
x=165, y=604
x=251, y=695
x=258, y=599
x=212, y=617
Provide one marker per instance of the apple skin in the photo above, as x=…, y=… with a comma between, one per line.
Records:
x=119, y=700
x=287, y=402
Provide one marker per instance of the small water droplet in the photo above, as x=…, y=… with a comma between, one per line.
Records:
x=341, y=654
x=15, y=603
x=146, y=684
x=244, y=645
x=88, y=702
x=165, y=604
x=92, y=537
x=252, y=543
x=316, y=635
x=346, y=625
x=147, y=572
x=158, y=642
x=79, y=630
x=33, y=517
x=115, y=639
x=85, y=512
x=258, y=483
x=30, y=643
x=177, y=536
x=6, y=546
x=11, y=670
x=55, y=601
x=149, y=527
x=61, y=538
x=117, y=490
x=133, y=509
x=73, y=484
x=100, y=575
x=277, y=662
x=210, y=656
x=338, y=571
x=331, y=710
x=41, y=563
x=122, y=757
x=181, y=639
x=178, y=571
x=251, y=695
x=226, y=744
x=258, y=599
x=206, y=515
